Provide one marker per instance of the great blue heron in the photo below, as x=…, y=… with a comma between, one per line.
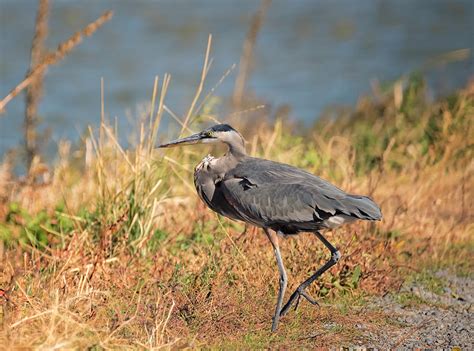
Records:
x=277, y=197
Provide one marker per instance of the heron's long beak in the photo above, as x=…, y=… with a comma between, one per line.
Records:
x=192, y=139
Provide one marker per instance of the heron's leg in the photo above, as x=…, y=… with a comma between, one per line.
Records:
x=300, y=291
x=272, y=236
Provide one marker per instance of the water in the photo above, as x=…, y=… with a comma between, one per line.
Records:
x=309, y=54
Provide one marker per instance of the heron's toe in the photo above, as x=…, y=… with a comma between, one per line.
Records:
x=302, y=292
x=309, y=298
x=295, y=297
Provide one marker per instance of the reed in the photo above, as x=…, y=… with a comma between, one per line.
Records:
x=115, y=250
x=53, y=58
x=34, y=91
x=246, y=58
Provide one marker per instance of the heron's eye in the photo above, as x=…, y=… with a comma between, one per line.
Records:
x=210, y=134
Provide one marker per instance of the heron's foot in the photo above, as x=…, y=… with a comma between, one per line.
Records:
x=295, y=297
x=307, y=297
x=275, y=320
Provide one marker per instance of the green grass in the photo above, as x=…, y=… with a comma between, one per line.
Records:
x=429, y=281
x=409, y=299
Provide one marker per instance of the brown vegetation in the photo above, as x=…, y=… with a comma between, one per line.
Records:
x=114, y=249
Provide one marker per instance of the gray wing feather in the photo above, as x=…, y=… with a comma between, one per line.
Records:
x=267, y=191
x=269, y=203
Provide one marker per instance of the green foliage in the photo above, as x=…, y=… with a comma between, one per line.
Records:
x=38, y=230
x=26, y=229
x=428, y=280
x=157, y=238
x=356, y=276
x=409, y=299
x=413, y=129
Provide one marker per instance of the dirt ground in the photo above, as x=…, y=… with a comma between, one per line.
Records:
x=425, y=319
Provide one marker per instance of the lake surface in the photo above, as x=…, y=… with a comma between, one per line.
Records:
x=309, y=54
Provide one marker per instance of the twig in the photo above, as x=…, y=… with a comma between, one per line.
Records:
x=63, y=49
x=30, y=318
x=33, y=92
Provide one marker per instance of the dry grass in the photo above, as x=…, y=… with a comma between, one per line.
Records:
x=113, y=249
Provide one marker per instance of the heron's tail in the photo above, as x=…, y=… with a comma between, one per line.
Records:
x=365, y=207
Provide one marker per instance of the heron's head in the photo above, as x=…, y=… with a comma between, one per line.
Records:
x=218, y=133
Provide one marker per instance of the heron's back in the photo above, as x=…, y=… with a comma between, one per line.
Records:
x=286, y=198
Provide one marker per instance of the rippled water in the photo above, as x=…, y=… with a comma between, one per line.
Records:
x=310, y=54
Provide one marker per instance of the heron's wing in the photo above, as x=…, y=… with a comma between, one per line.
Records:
x=272, y=191
x=270, y=203
x=260, y=171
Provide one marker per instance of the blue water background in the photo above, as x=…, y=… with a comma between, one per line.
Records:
x=309, y=54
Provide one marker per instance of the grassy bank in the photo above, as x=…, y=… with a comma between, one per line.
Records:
x=112, y=247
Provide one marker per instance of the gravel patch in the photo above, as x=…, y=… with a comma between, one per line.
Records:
x=436, y=321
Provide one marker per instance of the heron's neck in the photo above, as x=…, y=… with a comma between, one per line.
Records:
x=237, y=150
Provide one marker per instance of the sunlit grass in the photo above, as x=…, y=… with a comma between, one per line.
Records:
x=114, y=249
